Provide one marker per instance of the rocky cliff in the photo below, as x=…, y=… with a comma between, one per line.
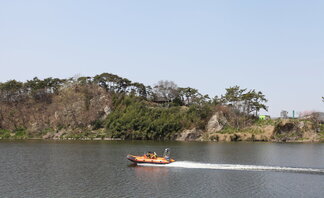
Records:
x=75, y=109
x=285, y=130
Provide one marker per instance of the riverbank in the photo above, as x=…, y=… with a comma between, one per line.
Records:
x=262, y=131
x=279, y=130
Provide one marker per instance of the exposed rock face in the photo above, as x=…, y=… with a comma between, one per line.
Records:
x=78, y=107
x=55, y=136
x=189, y=135
x=282, y=131
x=74, y=106
x=216, y=122
x=235, y=137
x=107, y=110
x=288, y=130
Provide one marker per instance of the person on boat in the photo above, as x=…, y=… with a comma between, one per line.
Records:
x=154, y=156
x=148, y=154
x=151, y=155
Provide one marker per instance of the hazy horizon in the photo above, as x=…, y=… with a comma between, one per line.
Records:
x=275, y=47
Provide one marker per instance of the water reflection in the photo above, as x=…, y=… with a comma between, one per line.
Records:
x=150, y=173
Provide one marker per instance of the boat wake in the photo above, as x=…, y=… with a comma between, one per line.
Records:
x=196, y=165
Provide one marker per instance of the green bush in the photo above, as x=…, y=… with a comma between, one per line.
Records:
x=4, y=134
x=259, y=122
x=134, y=118
x=20, y=133
x=97, y=124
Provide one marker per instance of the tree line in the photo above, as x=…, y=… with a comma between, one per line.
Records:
x=136, y=111
x=167, y=92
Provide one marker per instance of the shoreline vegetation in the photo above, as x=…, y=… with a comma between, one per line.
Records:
x=109, y=107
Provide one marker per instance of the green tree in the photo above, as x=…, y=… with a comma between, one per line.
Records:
x=138, y=89
x=112, y=82
x=218, y=101
x=42, y=90
x=245, y=101
x=105, y=80
x=188, y=95
x=12, y=91
x=233, y=96
x=253, y=102
x=85, y=80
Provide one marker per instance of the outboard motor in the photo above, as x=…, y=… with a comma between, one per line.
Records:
x=166, y=154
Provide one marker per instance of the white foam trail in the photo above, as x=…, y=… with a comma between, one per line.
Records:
x=188, y=164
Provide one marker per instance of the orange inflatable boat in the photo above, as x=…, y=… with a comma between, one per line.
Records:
x=152, y=158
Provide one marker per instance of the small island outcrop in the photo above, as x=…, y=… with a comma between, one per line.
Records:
x=107, y=107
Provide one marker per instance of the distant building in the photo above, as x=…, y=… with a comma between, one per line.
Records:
x=264, y=117
x=284, y=114
x=161, y=100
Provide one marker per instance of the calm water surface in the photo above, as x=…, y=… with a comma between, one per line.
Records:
x=100, y=169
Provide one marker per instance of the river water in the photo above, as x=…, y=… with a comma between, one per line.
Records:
x=100, y=169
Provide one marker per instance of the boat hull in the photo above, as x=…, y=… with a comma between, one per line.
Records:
x=143, y=159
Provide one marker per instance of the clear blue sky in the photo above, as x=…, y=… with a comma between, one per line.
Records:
x=274, y=46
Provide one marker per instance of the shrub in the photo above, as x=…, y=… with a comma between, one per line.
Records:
x=134, y=118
